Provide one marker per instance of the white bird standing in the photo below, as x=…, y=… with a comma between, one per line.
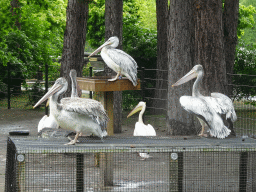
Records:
x=140, y=128
x=118, y=60
x=49, y=121
x=209, y=110
x=76, y=114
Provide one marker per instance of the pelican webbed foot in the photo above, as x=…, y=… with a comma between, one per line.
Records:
x=116, y=77
x=203, y=135
x=74, y=141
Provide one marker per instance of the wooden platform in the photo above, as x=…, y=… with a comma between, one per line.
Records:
x=106, y=89
x=101, y=83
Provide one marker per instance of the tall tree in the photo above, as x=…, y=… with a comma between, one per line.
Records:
x=230, y=22
x=209, y=45
x=160, y=98
x=74, y=39
x=15, y=10
x=180, y=52
x=114, y=27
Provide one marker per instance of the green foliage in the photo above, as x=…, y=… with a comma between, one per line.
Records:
x=96, y=23
x=86, y=70
x=130, y=99
x=35, y=93
x=245, y=66
x=147, y=13
x=246, y=19
x=40, y=37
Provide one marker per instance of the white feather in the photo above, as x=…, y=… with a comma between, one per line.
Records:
x=47, y=122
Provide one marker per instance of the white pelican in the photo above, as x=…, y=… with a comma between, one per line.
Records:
x=140, y=128
x=76, y=114
x=118, y=60
x=49, y=121
x=209, y=110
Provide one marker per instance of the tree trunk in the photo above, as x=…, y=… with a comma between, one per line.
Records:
x=230, y=22
x=160, y=98
x=74, y=40
x=180, y=49
x=114, y=27
x=15, y=10
x=209, y=45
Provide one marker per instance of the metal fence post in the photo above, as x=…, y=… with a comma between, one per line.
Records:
x=143, y=83
x=243, y=171
x=9, y=84
x=46, y=85
x=90, y=76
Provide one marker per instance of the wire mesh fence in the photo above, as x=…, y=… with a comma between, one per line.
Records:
x=48, y=165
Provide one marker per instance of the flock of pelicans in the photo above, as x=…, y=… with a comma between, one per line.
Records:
x=88, y=116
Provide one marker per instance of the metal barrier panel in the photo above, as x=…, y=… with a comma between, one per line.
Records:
x=116, y=165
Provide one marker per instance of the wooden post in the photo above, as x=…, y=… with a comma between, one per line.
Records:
x=106, y=169
x=108, y=105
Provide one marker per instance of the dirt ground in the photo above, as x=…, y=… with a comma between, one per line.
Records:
x=18, y=119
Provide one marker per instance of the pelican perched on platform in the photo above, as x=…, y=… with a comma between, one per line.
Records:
x=118, y=60
x=140, y=128
x=209, y=110
x=76, y=114
x=49, y=121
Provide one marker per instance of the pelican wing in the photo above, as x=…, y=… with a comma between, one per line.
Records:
x=201, y=108
x=90, y=107
x=126, y=63
x=223, y=105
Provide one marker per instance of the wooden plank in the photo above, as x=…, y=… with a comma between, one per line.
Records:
x=101, y=83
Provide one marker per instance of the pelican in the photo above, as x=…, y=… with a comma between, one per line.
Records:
x=208, y=109
x=118, y=60
x=76, y=114
x=49, y=121
x=140, y=128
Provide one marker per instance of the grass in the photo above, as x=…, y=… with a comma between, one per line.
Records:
x=19, y=101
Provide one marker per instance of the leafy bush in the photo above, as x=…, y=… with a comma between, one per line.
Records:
x=246, y=19
x=35, y=94
x=245, y=68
